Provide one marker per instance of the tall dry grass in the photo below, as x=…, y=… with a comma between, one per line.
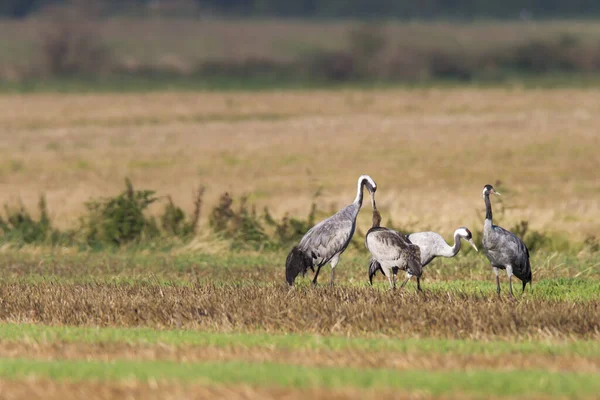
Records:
x=430, y=151
x=278, y=309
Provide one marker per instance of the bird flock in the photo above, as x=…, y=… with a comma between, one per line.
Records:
x=392, y=251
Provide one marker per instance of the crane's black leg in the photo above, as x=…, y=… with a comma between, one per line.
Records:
x=395, y=277
x=419, y=284
x=316, y=275
x=404, y=283
x=497, y=281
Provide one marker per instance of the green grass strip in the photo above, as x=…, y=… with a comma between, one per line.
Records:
x=42, y=333
x=480, y=382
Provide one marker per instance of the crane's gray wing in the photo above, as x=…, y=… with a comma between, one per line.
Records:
x=430, y=244
x=329, y=237
x=513, y=247
x=504, y=247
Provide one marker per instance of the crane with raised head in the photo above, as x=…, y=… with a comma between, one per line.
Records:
x=327, y=240
x=504, y=249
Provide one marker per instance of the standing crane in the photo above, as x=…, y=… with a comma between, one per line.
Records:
x=391, y=251
x=327, y=240
x=503, y=248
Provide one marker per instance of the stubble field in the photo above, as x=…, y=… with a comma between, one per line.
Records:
x=201, y=320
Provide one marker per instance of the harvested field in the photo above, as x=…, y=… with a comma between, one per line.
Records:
x=195, y=319
x=276, y=308
x=448, y=143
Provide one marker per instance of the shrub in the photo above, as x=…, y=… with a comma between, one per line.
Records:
x=119, y=220
x=243, y=227
x=591, y=244
x=534, y=240
x=290, y=230
x=173, y=220
x=19, y=226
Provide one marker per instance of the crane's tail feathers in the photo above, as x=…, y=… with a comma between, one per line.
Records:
x=414, y=263
x=374, y=266
x=297, y=263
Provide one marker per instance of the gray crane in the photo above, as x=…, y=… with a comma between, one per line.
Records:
x=433, y=245
x=503, y=248
x=391, y=251
x=327, y=240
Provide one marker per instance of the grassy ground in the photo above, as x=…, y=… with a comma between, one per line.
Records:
x=147, y=324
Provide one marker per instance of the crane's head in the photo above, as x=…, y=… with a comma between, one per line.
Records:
x=489, y=189
x=371, y=186
x=368, y=182
x=466, y=234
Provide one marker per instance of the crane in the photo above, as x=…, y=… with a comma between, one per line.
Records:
x=504, y=249
x=433, y=245
x=327, y=240
x=391, y=251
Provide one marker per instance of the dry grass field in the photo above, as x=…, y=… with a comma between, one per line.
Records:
x=430, y=151
x=201, y=320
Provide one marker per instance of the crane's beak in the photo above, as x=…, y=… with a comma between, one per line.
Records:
x=497, y=193
x=373, y=201
x=472, y=244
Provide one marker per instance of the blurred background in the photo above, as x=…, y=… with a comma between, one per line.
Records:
x=278, y=42
x=473, y=112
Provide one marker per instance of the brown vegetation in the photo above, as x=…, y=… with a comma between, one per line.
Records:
x=276, y=308
x=430, y=151
x=53, y=390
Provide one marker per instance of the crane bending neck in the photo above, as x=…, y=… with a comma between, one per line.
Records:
x=488, y=207
x=456, y=248
x=359, y=192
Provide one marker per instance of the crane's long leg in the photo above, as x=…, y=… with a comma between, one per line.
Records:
x=408, y=276
x=316, y=275
x=509, y=272
x=388, y=275
x=497, y=281
x=334, y=262
x=395, y=277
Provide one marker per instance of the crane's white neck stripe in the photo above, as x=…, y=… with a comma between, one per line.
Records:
x=359, y=186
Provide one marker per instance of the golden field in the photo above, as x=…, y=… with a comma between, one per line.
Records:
x=429, y=150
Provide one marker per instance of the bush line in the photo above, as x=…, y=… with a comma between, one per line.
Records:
x=122, y=220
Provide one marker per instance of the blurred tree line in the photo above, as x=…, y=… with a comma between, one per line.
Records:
x=341, y=8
